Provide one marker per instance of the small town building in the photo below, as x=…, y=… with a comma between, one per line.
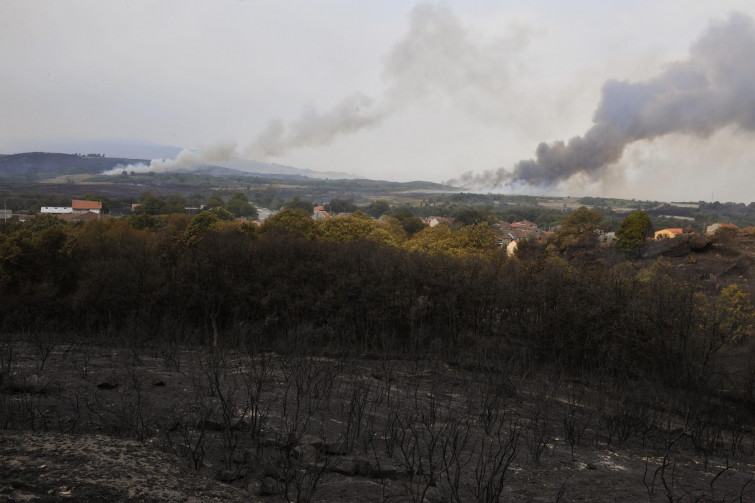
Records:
x=82, y=206
x=319, y=213
x=668, y=233
x=511, y=248
x=56, y=210
x=78, y=207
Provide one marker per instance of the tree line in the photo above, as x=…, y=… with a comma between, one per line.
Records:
x=352, y=285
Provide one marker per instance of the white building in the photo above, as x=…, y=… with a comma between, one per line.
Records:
x=56, y=210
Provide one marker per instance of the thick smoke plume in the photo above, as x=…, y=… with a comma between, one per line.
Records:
x=712, y=89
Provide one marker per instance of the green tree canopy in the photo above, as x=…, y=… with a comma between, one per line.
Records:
x=630, y=238
x=579, y=229
x=215, y=201
x=142, y=221
x=409, y=222
x=201, y=223
x=469, y=216
x=175, y=203
x=300, y=204
x=240, y=206
x=378, y=208
x=195, y=200
x=150, y=204
x=341, y=206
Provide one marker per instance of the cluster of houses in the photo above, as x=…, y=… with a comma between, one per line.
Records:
x=507, y=234
x=80, y=211
x=671, y=233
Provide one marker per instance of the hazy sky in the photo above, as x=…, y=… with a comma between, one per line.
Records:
x=403, y=90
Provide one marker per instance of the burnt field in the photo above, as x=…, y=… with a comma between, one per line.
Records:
x=86, y=421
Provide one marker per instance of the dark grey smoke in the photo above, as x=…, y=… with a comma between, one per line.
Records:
x=712, y=89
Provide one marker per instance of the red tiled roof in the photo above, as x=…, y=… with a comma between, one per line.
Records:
x=78, y=204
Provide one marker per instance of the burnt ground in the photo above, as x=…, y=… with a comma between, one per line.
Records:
x=92, y=422
x=719, y=261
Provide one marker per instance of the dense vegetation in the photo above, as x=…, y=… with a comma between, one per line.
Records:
x=39, y=165
x=355, y=284
x=426, y=352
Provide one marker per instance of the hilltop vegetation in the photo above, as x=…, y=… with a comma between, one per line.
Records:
x=34, y=166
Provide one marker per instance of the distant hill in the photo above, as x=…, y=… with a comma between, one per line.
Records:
x=31, y=166
x=267, y=168
x=34, y=167
x=111, y=147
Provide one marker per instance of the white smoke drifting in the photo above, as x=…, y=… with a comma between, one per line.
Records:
x=438, y=56
x=186, y=160
x=313, y=128
x=714, y=88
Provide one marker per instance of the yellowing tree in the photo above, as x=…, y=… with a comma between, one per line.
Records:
x=288, y=221
x=390, y=233
x=438, y=240
x=480, y=237
x=346, y=228
x=736, y=312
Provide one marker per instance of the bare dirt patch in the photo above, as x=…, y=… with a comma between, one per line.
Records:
x=77, y=467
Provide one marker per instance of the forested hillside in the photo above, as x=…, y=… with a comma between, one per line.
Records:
x=32, y=166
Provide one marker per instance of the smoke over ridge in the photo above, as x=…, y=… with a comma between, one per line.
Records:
x=712, y=89
x=354, y=113
x=186, y=160
x=437, y=56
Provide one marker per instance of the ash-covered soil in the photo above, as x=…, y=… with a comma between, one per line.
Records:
x=91, y=422
x=98, y=468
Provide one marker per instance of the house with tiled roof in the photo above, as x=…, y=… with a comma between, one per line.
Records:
x=78, y=206
x=82, y=206
x=319, y=213
x=668, y=233
x=524, y=224
x=433, y=221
